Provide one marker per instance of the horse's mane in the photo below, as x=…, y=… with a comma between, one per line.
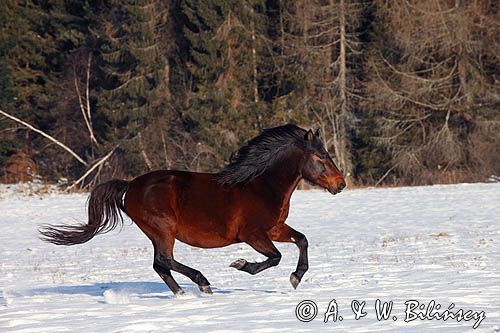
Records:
x=260, y=153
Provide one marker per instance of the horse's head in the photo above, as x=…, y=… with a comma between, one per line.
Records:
x=319, y=167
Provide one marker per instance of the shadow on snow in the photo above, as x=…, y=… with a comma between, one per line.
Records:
x=139, y=289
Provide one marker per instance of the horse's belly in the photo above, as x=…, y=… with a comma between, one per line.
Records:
x=204, y=237
x=209, y=242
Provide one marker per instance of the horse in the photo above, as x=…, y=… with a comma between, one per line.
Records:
x=247, y=201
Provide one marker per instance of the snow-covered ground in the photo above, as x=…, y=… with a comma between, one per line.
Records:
x=423, y=243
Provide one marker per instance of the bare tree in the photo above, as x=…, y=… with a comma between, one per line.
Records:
x=429, y=84
x=51, y=138
x=320, y=41
x=84, y=98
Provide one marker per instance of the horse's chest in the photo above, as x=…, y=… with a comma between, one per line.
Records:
x=283, y=214
x=279, y=215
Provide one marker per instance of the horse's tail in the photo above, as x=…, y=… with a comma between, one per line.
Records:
x=104, y=207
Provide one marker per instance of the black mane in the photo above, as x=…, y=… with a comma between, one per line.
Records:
x=260, y=153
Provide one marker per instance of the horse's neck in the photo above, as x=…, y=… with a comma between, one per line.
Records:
x=284, y=177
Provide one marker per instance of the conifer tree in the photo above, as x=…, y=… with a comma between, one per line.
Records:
x=227, y=52
x=35, y=38
x=133, y=64
x=135, y=71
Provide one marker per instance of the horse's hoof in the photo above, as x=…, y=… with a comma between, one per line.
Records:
x=179, y=292
x=294, y=280
x=206, y=289
x=238, y=264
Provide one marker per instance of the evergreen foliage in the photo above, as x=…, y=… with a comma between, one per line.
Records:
x=403, y=92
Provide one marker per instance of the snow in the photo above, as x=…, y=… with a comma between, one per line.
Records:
x=421, y=243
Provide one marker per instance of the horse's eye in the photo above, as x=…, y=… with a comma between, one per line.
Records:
x=319, y=162
x=321, y=157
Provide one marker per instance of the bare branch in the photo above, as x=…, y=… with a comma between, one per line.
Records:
x=87, y=92
x=98, y=164
x=85, y=109
x=51, y=138
x=143, y=153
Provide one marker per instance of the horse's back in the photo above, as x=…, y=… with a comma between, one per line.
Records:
x=193, y=204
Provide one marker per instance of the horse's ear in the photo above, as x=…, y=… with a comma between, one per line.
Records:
x=309, y=136
x=316, y=132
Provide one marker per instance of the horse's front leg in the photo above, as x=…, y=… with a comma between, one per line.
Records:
x=261, y=243
x=284, y=233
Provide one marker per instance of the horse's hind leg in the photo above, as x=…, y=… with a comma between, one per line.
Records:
x=191, y=273
x=261, y=243
x=165, y=260
x=165, y=274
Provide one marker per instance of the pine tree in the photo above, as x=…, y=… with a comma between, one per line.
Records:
x=135, y=68
x=35, y=38
x=133, y=64
x=227, y=52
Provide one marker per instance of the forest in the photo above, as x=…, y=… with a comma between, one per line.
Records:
x=403, y=92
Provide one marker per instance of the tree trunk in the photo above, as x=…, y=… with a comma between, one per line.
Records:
x=342, y=153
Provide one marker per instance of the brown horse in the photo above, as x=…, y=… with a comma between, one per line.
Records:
x=248, y=201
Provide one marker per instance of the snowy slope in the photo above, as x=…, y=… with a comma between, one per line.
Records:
x=424, y=243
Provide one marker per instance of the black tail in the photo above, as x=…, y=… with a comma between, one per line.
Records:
x=104, y=207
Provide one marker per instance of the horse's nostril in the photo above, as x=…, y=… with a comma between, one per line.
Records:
x=341, y=186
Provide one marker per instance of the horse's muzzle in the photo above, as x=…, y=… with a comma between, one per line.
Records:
x=337, y=188
x=334, y=191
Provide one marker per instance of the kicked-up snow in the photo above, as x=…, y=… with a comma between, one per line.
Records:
x=435, y=245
